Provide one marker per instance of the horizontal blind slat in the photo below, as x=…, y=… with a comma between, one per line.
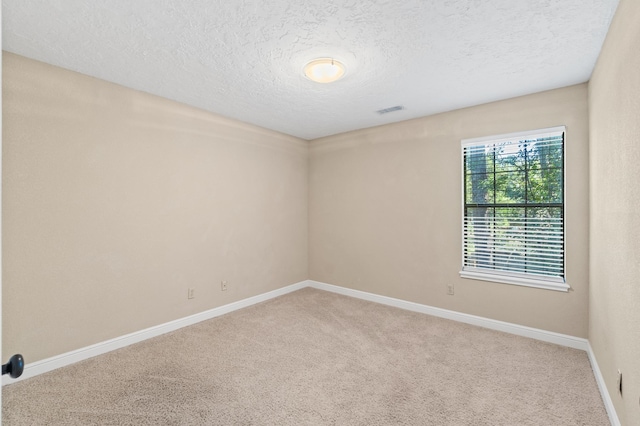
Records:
x=510, y=269
x=551, y=259
x=518, y=256
x=498, y=247
x=491, y=260
x=507, y=238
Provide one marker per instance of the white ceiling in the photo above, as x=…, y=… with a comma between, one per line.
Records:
x=244, y=58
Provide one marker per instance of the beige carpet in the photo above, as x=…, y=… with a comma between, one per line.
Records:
x=317, y=358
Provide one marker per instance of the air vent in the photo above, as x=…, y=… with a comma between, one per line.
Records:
x=392, y=109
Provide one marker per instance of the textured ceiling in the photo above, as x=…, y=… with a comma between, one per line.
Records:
x=244, y=58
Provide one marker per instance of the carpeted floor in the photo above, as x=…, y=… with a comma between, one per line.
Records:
x=317, y=358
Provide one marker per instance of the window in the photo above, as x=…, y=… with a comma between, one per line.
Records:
x=513, y=219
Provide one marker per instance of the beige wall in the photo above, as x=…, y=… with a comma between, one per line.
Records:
x=385, y=211
x=614, y=107
x=116, y=201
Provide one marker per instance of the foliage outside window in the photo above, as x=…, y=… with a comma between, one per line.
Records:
x=513, y=221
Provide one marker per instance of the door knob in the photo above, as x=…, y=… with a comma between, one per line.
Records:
x=14, y=367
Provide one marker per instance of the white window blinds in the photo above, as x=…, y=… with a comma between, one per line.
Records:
x=513, y=221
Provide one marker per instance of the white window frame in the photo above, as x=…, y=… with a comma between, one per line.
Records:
x=548, y=283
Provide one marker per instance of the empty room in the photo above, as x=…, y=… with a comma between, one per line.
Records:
x=339, y=212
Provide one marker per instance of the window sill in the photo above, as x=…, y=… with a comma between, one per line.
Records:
x=508, y=279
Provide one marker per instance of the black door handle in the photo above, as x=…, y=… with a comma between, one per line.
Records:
x=14, y=367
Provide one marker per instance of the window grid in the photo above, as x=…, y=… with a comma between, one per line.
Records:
x=536, y=256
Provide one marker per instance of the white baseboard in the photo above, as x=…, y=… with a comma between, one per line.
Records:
x=49, y=364
x=520, y=330
x=606, y=398
x=63, y=360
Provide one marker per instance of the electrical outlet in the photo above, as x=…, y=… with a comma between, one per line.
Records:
x=619, y=382
x=191, y=293
x=223, y=286
x=450, y=289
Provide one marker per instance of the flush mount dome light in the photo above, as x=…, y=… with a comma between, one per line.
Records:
x=324, y=70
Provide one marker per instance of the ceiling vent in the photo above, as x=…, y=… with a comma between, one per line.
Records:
x=391, y=109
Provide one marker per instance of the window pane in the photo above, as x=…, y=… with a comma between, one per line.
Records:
x=480, y=211
x=546, y=235
x=544, y=186
x=478, y=159
x=510, y=187
x=479, y=188
x=546, y=153
x=544, y=212
x=509, y=238
x=509, y=157
x=477, y=251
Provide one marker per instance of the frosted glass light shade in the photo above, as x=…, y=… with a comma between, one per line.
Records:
x=324, y=70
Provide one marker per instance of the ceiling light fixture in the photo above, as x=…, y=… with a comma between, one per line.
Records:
x=324, y=70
